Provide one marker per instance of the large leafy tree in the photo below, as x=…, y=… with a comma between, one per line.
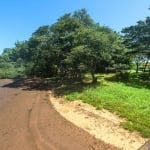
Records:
x=97, y=49
x=65, y=32
x=137, y=39
x=43, y=51
x=75, y=44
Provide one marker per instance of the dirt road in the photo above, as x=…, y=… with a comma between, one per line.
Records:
x=29, y=122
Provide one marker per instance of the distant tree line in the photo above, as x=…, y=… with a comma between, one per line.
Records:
x=75, y=45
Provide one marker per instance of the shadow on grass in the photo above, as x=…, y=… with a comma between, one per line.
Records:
x=133, y=80
x=67, y=88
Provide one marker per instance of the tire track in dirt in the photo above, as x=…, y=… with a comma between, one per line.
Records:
x=33, y=122
x=29, y=129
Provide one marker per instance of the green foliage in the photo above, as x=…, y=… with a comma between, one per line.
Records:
x=10, y=69
x=75, y=45
x=12, y=72
x=137, y=39
x=84, y=18
x=69, y=48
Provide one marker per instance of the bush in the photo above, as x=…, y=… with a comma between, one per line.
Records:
x=123, y=76
x=12, y=72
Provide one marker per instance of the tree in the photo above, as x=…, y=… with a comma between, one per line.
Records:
x=84, y=18
x=69, y=48
x=43, y=52
x=137, y=39
x=96, y=48
x=64, y=33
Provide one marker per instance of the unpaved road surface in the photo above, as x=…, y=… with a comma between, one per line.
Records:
x=28, y=121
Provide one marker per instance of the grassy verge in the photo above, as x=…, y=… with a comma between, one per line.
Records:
x=131, y=102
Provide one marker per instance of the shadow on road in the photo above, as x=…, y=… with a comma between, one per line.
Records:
x=28, y=84
x=16, y=83
x=59, y=87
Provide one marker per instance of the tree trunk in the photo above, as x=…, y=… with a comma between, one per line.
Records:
x=94, y=79
x=145, y=65
x=137, y=67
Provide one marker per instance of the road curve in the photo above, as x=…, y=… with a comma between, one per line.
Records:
x=29, y=122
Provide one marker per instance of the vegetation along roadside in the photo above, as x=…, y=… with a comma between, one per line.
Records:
x=89, y=62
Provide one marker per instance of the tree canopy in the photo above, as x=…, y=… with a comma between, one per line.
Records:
x=137, y=39
x=69, y=48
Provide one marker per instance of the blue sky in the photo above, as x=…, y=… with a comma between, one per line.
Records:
x=20, y=18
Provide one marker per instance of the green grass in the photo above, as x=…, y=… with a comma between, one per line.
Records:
x=132, y=103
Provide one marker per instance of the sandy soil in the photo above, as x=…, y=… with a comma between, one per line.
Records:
x=28, y=121
x=99, y=123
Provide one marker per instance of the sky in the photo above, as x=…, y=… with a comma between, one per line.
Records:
x=20, y=18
